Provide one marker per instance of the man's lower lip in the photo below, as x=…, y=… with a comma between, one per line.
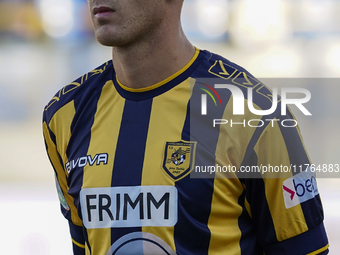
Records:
x=104, y=14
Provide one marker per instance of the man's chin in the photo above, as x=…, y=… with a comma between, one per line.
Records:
x=110, y=41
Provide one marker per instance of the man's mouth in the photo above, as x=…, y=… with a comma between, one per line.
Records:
x=102, y=9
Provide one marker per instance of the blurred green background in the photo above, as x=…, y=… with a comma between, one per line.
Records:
x=45, y=44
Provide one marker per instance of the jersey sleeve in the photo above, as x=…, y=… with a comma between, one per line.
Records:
x=78, y=241
x=66, y=202
x=284, y=202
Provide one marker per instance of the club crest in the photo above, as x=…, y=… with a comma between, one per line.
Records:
x=179, y=159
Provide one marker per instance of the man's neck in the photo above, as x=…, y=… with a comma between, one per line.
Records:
x=150, y=62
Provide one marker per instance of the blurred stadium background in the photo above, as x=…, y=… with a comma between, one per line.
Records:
x=45, y=44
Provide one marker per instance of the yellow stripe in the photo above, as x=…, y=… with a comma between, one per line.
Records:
x=60, y=125
x=164, y=81
x=225, y=210
x=223, y=220
x=87, y=250
x=62, y=131
x=319, y=250
x=271, y=149
x=164, y=129
x=78, y=244
x=105, y=128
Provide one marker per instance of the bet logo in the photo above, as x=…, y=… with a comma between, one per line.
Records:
x=299, y=188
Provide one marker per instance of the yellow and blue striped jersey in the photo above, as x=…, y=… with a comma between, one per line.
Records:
x=131, y=167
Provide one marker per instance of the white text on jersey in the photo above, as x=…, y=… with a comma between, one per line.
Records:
x=83, y=161
x=129, y=206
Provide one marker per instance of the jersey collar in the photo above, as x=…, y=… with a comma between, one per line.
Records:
x=163, y=86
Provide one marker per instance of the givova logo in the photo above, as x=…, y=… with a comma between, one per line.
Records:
x=87, y=160
x=299, y=188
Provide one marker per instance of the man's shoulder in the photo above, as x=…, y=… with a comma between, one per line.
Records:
x=86, y=84
x=217, y=66
x=217, y=69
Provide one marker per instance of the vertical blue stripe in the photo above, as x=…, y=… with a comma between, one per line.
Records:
x=129, y=158
x=248, y=242
x=85, y=110
x=195, y=192
x=262, y=220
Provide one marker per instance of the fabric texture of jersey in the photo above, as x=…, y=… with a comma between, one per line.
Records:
x=134, y=167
